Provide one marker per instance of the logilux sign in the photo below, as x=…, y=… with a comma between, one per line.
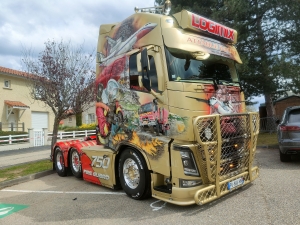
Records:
x=212, y=27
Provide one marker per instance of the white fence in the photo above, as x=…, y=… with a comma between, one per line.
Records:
x=73, y=134
x=11, y=139
x=38, y=138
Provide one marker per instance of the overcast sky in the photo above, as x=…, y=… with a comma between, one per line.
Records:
x=29, y=23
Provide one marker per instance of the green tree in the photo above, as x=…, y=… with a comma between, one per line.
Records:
x=267, y=42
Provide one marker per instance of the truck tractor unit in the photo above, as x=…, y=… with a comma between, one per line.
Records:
x=176, y=74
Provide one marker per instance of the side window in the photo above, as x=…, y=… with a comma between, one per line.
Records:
x=134, y=74
x=7, y=83
x=153, y=74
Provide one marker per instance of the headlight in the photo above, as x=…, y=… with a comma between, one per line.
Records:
x=188, y=163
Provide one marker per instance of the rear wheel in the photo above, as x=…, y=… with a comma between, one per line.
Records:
x=75, y=163
x=134, y=174
x=284, y=157
x=60, y=163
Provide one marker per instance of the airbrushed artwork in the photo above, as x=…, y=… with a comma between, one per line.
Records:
x=170, y=111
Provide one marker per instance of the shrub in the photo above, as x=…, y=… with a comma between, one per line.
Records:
x=6, y=133
x=91, y=126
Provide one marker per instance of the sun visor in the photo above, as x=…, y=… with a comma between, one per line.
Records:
x=196, y=23
x=176, y=38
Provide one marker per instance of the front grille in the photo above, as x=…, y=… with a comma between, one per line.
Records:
x=226, y=144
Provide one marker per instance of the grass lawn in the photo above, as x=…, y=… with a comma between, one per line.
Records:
x=267, y=139
x=22, y=170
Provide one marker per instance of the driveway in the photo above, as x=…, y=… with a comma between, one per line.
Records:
x=273, y=198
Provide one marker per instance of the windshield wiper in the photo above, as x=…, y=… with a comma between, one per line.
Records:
x=215, y=81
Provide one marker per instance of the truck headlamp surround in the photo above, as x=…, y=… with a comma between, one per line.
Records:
x=188, y=162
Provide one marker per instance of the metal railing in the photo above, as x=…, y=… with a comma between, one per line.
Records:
x=268, y=124
x=12, y=126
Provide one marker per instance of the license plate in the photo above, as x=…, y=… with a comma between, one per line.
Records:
x=235, y=183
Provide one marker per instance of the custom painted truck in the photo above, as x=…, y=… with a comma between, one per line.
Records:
x=185, y=65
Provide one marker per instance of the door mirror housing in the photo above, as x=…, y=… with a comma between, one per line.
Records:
x=145, y=69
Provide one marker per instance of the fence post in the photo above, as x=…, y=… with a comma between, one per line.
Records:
x=45, y=130
x=73, y=134
x=60, y=135
x=31, y=137
x=9, y=139
x=85, y=132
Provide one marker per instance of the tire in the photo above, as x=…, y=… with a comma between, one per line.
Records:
x=59, y=162
x=75, y=163
x=284, y=157
x=134, y=175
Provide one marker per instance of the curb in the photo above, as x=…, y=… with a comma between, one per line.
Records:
x=9, y=183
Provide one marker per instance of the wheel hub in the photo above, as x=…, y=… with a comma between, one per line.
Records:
x=75, y=161
x=131, y=173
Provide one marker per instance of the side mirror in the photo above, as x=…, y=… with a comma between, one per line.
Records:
x=144, y=59
x=145, y=69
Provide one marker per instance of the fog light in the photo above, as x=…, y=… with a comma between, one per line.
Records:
x=189, y=183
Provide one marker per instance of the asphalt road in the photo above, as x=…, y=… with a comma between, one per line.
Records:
x=273, y=198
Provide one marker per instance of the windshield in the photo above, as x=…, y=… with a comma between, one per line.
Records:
x=181, y=67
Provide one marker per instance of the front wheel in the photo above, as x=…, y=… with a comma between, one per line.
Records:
x=284, y=157
x=134, y=175
x=60, y=163
x=75, y=163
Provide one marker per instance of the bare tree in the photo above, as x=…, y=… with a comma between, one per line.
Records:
x=62, y=77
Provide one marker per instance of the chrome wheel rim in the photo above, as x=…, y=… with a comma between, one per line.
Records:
x=75, y=161
x=131, y=173
x=59, y=160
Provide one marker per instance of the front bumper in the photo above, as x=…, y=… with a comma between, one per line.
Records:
x=213, y=192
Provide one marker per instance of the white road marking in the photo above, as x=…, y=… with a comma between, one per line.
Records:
x=64, y=192
x=156, y=208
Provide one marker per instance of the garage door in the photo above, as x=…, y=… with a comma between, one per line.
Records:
x=39, y=120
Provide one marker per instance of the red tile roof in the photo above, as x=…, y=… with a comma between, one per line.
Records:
x=15, y=103
x=13, y=72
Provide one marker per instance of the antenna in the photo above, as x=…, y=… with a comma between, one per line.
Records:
x=161, y=9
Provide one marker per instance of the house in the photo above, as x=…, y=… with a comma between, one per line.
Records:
x=280, y=105
x=18, y=111
x=88, y=117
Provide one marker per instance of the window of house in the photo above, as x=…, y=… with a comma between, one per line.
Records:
x=7, y=83
x=91, y=118
x=70, y=119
